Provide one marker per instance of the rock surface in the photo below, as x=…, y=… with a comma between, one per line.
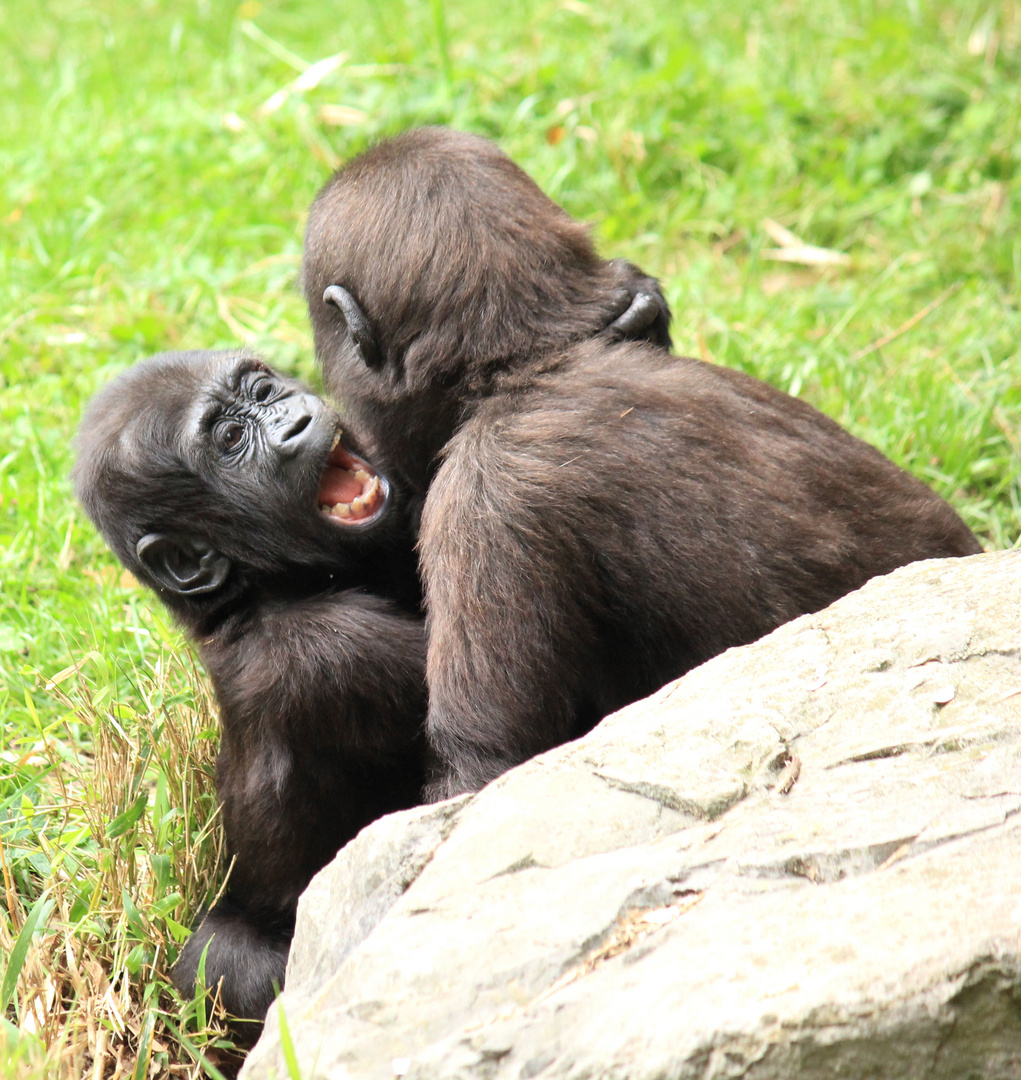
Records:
x=801, y=860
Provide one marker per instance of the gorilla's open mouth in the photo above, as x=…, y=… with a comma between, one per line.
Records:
x=350, y=490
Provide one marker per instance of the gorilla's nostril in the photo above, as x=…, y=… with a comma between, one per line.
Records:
x=297, y=427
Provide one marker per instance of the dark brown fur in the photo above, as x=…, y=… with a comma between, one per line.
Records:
x=309, y=632
x=602, y=517
x=465, y=270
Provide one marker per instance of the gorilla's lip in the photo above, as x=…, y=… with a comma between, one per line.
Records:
x=351, y=492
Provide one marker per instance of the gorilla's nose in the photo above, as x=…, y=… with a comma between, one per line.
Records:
x=288, y=431
x=296, y=428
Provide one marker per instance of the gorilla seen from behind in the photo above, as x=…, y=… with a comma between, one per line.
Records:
x=599, y=517
x=225, y=488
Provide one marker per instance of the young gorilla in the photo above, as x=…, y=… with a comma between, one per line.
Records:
x=600, y=517
x=212, y=478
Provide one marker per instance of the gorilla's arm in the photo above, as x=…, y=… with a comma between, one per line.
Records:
x=321, y=705
x=511, y=660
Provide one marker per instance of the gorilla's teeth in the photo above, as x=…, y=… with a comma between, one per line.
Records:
x=336, y=441
x=362, y=506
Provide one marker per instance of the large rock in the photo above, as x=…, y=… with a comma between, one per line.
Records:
x=801, y=860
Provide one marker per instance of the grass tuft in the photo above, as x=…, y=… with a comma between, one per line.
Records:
x=116, y=838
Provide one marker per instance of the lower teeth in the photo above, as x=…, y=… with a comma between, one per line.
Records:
x=357, y=507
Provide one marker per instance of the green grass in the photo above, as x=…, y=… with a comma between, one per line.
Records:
x=150, y=200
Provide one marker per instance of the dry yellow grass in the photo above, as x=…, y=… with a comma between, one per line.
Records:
x=136, y=850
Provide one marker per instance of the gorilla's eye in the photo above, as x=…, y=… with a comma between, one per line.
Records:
x=261, y=389
x=229, y=435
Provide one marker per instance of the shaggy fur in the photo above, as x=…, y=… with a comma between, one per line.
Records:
x=309, y=630
x=599, y=517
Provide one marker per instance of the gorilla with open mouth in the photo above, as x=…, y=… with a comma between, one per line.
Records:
x=284, y=555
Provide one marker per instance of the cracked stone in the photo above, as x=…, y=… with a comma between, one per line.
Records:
x=647, y=903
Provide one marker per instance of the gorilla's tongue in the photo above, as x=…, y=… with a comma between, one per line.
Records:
x=338, y=485
x=349, y=489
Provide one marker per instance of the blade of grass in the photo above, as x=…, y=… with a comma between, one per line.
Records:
x=211, y=1070
x=141, y=1070
x=287, y=1045
x=38, y=914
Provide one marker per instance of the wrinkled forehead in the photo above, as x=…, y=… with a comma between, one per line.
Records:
x=156, y=405
x=215, y=380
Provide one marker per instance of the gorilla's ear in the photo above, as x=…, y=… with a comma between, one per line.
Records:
x=358, y=325
x=184, y=565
